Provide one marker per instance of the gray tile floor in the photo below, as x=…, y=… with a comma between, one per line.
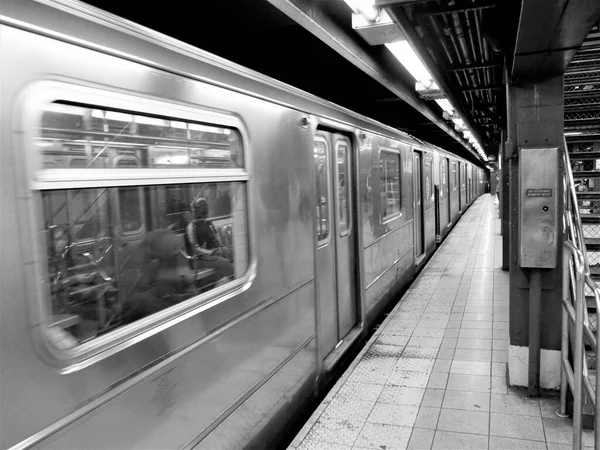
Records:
x=434, y=375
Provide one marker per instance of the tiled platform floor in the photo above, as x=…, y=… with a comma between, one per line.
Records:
x=434, y=374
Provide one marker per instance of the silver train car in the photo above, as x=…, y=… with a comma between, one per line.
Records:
x=113, y=332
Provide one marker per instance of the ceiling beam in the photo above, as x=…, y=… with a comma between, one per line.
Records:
x=441, y=9
x=549, y=35
x=482, y=88
x=473, y=66
x=384, y=3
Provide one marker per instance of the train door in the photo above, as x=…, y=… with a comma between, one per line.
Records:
x=449, y=189
x=470, y=186
x=336, y=248
x=460, y=176
x=444, y=199
x=418, y=190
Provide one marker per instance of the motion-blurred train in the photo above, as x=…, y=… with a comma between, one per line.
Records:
x=109, y=133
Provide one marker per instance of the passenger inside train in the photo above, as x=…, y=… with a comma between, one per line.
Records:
x=202, y=242
x=173, y=277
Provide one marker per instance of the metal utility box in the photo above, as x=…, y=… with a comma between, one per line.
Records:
x=538, y=207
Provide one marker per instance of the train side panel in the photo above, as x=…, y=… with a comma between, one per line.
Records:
x=387, y=230
x=230, y=349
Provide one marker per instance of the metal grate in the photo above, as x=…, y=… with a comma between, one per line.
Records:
x=581, y=75
x=576, y=88
x=580, y=101
x=593, y=258
x=585, y=115
x=591, y=230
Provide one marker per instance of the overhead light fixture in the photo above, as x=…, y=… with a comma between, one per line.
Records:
x=445, y=105
x=365, y=8
x=411, y=62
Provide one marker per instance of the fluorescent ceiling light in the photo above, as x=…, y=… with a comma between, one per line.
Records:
x=118, y=117
x=204, y=128
x=445, y=105
x=409, y=59
x=150, y=121
x=177, y=124
x=365, y=8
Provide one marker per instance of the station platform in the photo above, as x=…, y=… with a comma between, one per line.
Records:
x=434, y=375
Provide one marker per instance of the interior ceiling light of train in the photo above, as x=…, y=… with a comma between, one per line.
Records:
x=454, y=53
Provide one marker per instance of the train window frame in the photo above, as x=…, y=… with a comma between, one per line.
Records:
x=454, y=176
x=397, y=153
x=118, y=159
x=33, y=102
x=346, y=143
x=325, y=241
x=443, y=177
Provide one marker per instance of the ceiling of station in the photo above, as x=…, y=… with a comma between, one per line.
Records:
x=312, y=45
x=258, y=35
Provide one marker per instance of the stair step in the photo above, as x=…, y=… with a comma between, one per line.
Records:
x=595, y=272
x=588, y=195
x=586, y=174
x=590, y=301
x=595, y=247
x=590, y=218
x=581, y=156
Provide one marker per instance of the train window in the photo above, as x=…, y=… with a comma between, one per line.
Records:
x=391, y=197
x=321, y=159
x=443, y=172
x=96, y=135
x=343, y=180
x=139, y=243
x=101, y=280
x=454, y=175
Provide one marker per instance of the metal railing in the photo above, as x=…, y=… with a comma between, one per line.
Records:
x=576, y=330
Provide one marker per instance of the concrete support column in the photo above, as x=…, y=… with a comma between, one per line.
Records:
x=535, y=119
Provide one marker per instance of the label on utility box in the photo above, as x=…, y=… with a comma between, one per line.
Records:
x=538, y=193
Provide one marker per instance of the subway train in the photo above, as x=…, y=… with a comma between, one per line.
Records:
x=114, y=331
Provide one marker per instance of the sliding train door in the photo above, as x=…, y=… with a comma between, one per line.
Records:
x=418, y=190
x=460, y=182
x=448, y=188
x=336, y=243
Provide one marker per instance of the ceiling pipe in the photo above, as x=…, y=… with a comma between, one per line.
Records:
x=472, y=46
x=448, y=32
x=334, y=36
x=484, y=53
x=400, y=18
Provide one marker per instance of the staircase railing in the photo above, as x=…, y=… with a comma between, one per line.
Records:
x=576, y=329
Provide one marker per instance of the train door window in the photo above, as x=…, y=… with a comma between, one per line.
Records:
x=343, y=180
x=321, y=160
x=454, y=176
x=179, y=245
x=391, y=196
x=429, y=194
x=443, y=173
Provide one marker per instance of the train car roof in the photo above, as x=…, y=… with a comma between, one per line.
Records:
x=87, y=26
